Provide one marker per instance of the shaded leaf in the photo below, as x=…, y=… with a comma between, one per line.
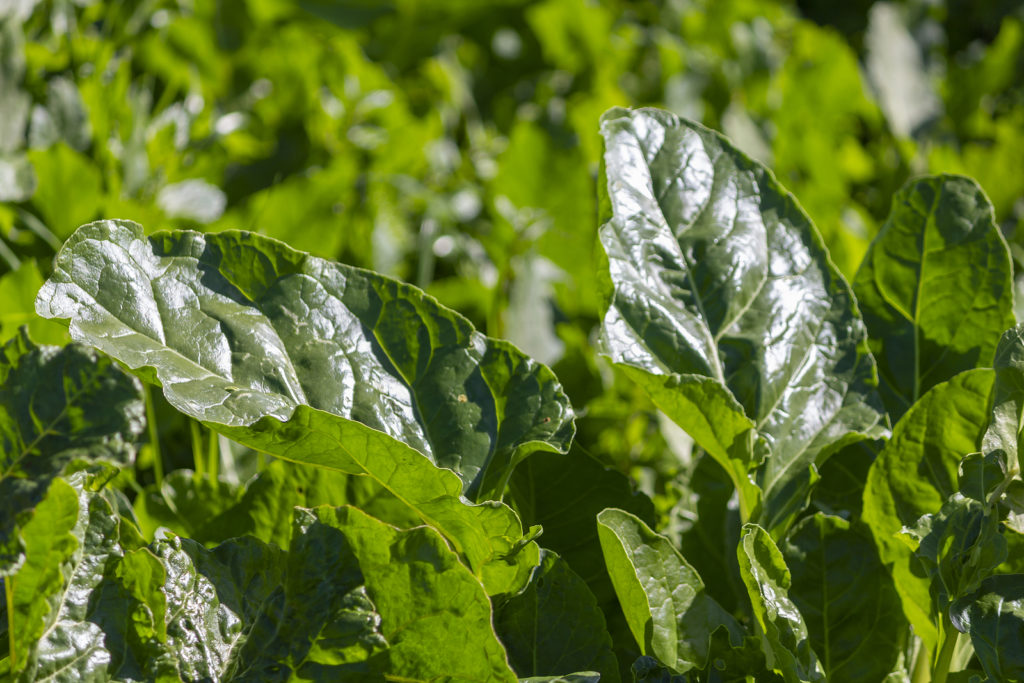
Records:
x=555, y=625
x=935, y=288
x=846, y=597
x=1003, y=435
x=564, y=495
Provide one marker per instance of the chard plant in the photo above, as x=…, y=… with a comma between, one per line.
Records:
x=426, y=516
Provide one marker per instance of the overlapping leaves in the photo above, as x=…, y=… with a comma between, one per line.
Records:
x=59, y=407
x=324, y=364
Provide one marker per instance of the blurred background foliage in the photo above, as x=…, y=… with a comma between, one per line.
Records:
x=454, y=144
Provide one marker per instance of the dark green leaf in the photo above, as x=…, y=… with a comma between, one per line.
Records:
x=726, y=308
x=555, y=625
x=994, y=618
x=564, y=494
x=768, y=581
x=846, y=597
x=320, y=363
x=58, y=407
x=670, y=614
x=935, y=288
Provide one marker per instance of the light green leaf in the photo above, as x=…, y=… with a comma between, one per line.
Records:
x=670, y=614
x=916, y=472
x=37, y=587
x=69, y=190
x=935, y=288
x=994, y=618
x=768, y=582
x=723, y=295
x=266, y=508
x=555, y=625
x=419, y=615
x=321, y=363
x=846, y=597
x=18, y=290
x=58, y=407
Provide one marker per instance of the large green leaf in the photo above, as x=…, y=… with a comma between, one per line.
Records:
x=916, y=472
x=935, y=288
x=768, y=582
x=846, y=597
x=994, y=618
x=555, y=625
x=320, y=363
x=725, y=307
x=670, y=614
x=58, y=407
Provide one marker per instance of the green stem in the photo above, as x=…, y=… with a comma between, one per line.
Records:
x=154, y=437
x=9, y=594
x=214, y=455
x=922, y=665
x=950, y=636
x=198, y=457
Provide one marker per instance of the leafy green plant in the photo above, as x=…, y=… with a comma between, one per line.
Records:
x=427, y=514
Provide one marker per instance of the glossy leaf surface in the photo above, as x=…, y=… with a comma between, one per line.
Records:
x=58, y=406
x=847, y=598
x=669, y=612
x=768, y=582
x=725, y=304
x=237, y=327
x=320, y=363
x=935, y=288
x=555, y=625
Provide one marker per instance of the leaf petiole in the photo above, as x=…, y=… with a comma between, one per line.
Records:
x=949, y=638
x=9, y=595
